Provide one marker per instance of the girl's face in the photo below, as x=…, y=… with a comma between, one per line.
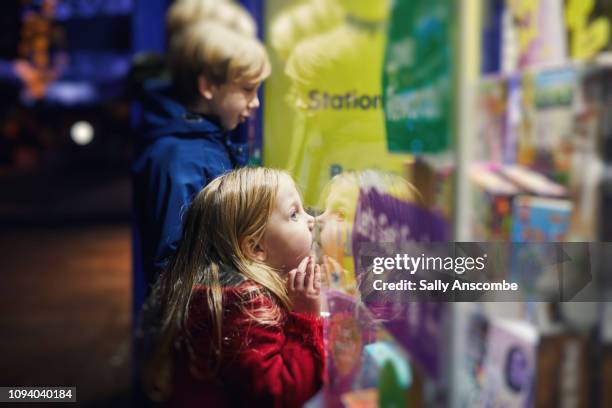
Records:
x=336, y=221
x=288, y=235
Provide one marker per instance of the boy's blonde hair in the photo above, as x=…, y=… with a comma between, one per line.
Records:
x=301, y=21
x=217, y=52
x=233, y=207
x=184, y=13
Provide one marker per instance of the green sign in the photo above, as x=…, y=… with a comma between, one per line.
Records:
x=418, y=76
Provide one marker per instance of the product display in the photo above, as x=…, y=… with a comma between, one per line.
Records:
x=307, y=203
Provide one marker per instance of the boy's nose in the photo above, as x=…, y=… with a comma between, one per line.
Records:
x=254, y=104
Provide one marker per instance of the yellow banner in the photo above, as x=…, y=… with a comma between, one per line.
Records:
x=323, y=102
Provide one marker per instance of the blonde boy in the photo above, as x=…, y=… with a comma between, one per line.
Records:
x=216, y=72
x=184, y=13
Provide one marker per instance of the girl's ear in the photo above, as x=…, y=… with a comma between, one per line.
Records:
x=205, y=87
x=253, y=249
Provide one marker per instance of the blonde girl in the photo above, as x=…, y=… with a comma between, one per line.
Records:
x=239, y=302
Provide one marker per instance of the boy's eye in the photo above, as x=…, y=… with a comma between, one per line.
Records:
x=294, y=215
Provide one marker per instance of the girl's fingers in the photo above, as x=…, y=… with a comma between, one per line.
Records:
x=291, y=280
x=329, y=269
x=309, y=279
x=306, y=277
x=299, y=281
x=300, y=276
x=316, y=286
x=334, y=264
x=302, y=266
x=323, y=274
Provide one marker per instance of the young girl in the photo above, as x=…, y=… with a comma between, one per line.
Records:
x=239, y=302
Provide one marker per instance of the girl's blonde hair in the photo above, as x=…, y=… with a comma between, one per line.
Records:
x=341, y=197
x=219, y=53
x=233, y=207
x=183, y=13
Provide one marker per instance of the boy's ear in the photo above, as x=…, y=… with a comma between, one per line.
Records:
x=253, y=250
x=205, y=87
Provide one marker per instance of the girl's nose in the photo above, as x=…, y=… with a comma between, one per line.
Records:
x=311, y=221
x=320, y=220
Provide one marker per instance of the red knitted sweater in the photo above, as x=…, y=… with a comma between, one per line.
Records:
x=272, y=366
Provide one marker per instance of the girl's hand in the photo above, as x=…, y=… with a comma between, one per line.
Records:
x=331, y=272
x=304, y=287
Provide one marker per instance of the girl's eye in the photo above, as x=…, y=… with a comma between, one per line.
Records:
x=294, y=215
x=340, y=214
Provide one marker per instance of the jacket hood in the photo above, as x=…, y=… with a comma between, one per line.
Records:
x=163, y=115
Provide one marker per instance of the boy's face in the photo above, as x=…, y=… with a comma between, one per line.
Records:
x=233, y=102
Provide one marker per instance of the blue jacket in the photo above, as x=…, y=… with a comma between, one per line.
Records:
x=179, y=153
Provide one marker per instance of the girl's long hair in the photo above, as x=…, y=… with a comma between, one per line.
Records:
x=233, y=207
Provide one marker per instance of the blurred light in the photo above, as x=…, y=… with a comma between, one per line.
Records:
x=82, y=133
x=71, y=93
